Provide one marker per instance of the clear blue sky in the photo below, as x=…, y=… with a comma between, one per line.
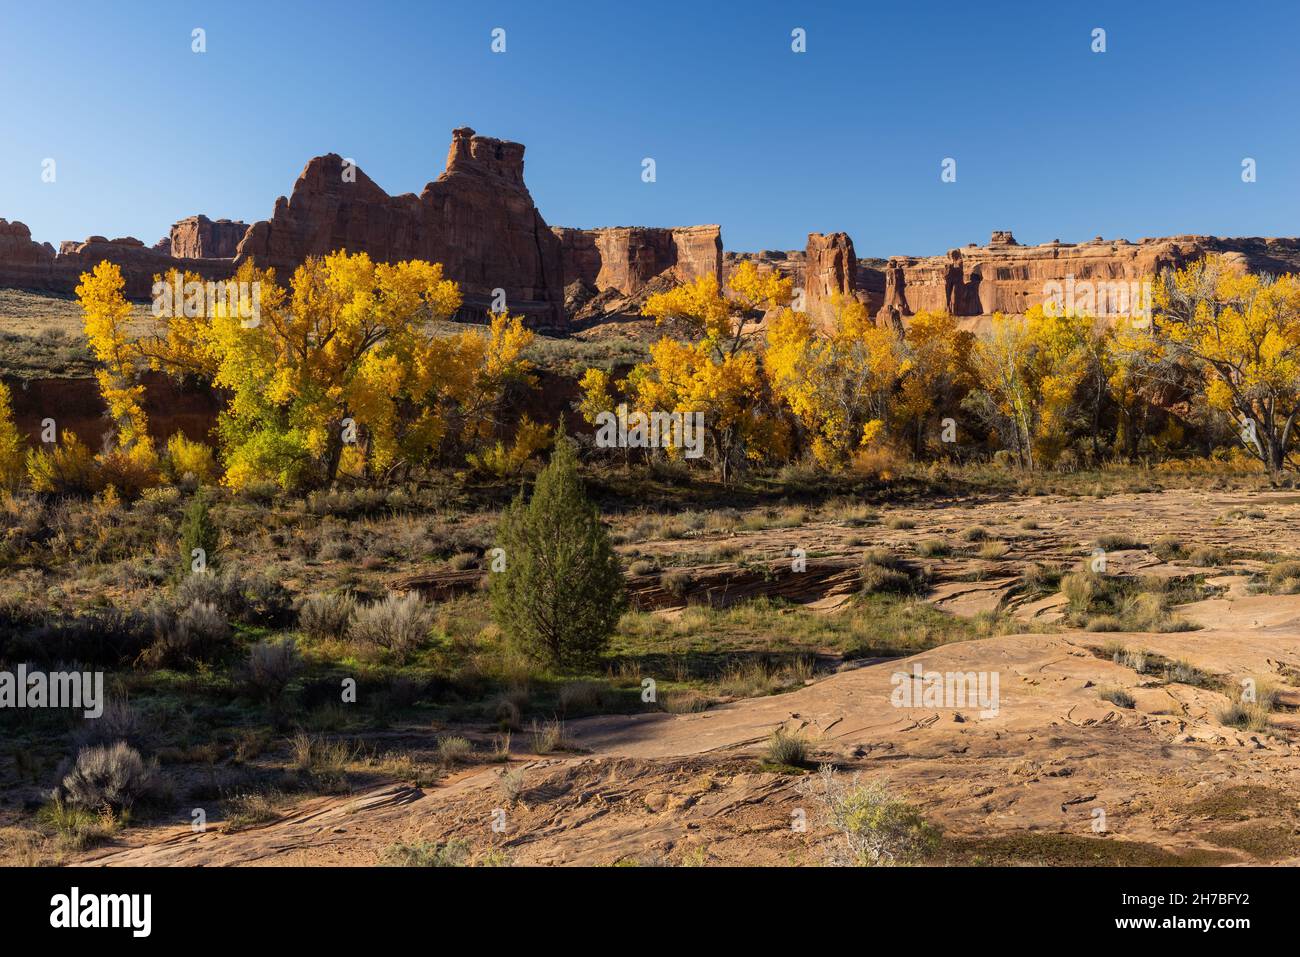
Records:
x=1051, y=140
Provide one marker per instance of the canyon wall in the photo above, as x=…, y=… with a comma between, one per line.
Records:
x=627, y=258
x=197, y=237
x=26, y=264
x=1007, y=277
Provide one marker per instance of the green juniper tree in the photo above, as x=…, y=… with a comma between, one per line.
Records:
x=198, y=531
x=560, y=593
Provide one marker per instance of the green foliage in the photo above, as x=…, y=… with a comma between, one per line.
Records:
x=561, y=592
x=199, y=531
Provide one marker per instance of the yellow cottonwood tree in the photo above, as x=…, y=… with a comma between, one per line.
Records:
x=936, y=369
x=347, y=359
x=1241, y=331
x=132, y=464
x=838, y=383
x=715, y=375
x=12, y=452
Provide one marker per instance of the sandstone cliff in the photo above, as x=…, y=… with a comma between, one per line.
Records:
x=627, y=258
x=1007, y=277
x=197, y=237
x=477, y=219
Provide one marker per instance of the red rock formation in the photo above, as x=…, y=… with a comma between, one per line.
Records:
x=627, y=258
x=1007, y=277
x=23, y=261
x=830, y=271
x=197, y=237
x=477, y=219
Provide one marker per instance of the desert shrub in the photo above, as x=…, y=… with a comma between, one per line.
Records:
x=1117, y=696
x=562, y=594
x=1184, y=672
x=684, y=702
x=185, y=635
x=880, y=579
x=1118, y=542
x=933, y=548
x=991, y=551
x=785, y=749
x=642, y=566
x=113, y=776
x=1038, y=578
x=899, y=523
x=677, y=582
x=327, y=616
x=108, y=636
x=872, y=827
x=549, y=737
x=261, y=600
x=189, y=461
x=199, y=537
x=584, y=697
x=1206, y=556
x=462, y=561
x=1104, y=623
x=426, y=854
x=1249, y=710
x=976, y=533
x=119, y=722
x=67, y=469
x=398, y=624
x=508, y=708
x=511, y=784
x=270, y=667
x=1082, y=589
x=322, y=761
x=454, y=749
x=1284, y=578
x=1029, y=525
x=1167, y=548
x=1137, y=660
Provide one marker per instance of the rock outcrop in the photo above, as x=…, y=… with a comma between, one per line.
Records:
x=477, y=219
x=1007, y=277
x=197, y=237
x=26, y=264
x=627, y=258
x=830, y=272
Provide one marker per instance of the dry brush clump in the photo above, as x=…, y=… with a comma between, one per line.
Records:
x=272, y=664
x=109, y=776
x=323, y=617
x=397, y=624
x=870, y=826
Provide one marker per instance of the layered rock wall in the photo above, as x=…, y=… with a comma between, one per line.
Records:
x=627, y=258
x=477, y=219
x=197, y=237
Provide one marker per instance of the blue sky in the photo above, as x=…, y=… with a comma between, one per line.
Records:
x=1051, y=140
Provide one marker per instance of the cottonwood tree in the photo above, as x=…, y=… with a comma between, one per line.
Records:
x=346, y=369
x=838, y=383
x=12, y=451
x=1241, y=331
x=715, y=374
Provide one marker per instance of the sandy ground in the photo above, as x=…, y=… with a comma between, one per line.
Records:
x=1056, y=775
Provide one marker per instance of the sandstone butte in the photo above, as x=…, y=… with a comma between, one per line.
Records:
x=479, y=220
